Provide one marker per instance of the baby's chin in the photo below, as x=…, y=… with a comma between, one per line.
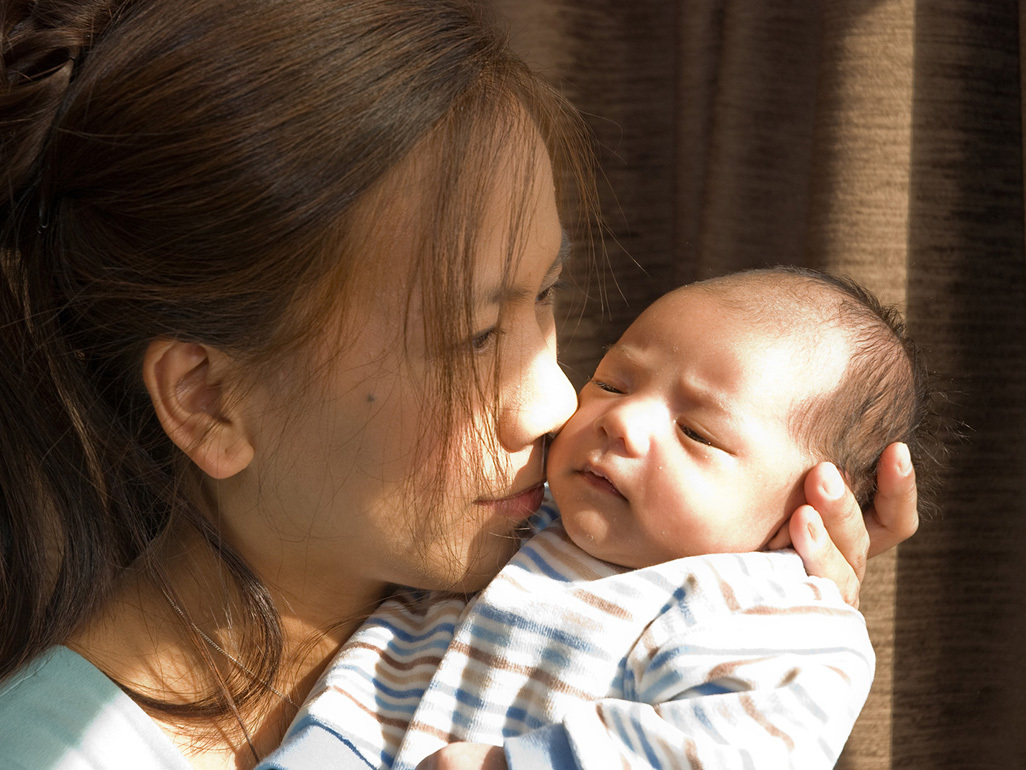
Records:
x=593, y=530
x=589, y=530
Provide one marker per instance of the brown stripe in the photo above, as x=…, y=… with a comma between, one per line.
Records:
x=809, y=609
x=841, y=673
x=752, y=711
x=582, y=565
x=393, y=662
x=729, y=598
x=789, y=677
x=423, y=727
x=651, y=648
x=691, y=752
x=608, y=607
x=535, y=674
x=585, y=596
x=723, y=670
x=400, y=724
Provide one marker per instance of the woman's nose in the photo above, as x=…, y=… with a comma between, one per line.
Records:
x=632, y=422
x=540, y=401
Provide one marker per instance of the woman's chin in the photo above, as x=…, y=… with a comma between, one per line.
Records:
x=484, y=565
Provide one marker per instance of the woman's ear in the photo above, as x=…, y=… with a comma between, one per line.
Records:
x=188, y=386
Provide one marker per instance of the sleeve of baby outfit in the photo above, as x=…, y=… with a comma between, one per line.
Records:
x=759, y=666
x=316, y=745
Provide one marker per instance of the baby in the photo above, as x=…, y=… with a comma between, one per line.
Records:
x=647, y=623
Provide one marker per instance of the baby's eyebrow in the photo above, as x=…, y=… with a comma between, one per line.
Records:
x=625, y=358
x=619, y=350
x=703, y=394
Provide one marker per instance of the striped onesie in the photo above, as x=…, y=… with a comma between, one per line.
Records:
x=721, y=661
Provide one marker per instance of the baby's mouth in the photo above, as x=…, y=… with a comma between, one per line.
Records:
x=599, y=480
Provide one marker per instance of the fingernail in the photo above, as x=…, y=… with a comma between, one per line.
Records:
x=833, y=484
x=904, y=459
x=815, y=532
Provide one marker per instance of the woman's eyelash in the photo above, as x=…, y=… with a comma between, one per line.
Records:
x=549, y=292
x=480, y=341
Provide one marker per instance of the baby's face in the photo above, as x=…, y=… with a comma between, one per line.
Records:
x=681, y=444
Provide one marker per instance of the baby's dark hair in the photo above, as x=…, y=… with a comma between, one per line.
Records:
x=885, y=394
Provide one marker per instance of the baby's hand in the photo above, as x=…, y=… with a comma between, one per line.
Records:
x=466, y=756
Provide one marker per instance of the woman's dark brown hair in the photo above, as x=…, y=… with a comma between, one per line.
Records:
x=190, y=169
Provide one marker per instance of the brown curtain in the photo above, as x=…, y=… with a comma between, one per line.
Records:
x=878, y=138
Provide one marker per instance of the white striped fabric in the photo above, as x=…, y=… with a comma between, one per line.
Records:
x=722, y=661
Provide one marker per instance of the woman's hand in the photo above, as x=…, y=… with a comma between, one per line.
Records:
x=834, y=538
x=466, y=756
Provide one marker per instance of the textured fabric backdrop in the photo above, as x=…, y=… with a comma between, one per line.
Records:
x=878, y=138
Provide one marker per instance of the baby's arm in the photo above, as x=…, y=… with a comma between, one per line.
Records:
x=749, y=672
x=753, y=673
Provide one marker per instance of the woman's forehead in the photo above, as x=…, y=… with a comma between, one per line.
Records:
x=483, y=202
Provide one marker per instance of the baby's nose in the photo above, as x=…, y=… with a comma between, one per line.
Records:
x=634, y=423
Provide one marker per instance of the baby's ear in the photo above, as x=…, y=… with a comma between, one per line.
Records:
x=188, y=385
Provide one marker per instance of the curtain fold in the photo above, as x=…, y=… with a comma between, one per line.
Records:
x=960, y=605
x=878, y=138
x=858, y=225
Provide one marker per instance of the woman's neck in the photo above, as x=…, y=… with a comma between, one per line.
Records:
x=173, y=643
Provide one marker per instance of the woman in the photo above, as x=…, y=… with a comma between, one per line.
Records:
x=278, y=282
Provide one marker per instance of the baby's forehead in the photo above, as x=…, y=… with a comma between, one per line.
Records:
x=761, y=320
x=776, y=305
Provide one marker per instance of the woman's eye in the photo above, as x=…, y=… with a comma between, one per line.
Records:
x=547, y=295
x=482, y=340
x=694, y=435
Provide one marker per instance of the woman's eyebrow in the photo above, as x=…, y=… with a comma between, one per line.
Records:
x=503, y=294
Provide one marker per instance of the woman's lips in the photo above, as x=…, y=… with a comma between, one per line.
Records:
x=517, y=506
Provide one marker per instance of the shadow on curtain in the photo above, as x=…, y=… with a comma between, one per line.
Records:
x=878, y=138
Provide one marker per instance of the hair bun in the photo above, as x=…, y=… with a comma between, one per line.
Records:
x=40, y=45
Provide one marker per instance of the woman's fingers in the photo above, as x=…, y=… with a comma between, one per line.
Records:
x=841, y=516
x=835, y=537
x=894, y=516
x=821, y=556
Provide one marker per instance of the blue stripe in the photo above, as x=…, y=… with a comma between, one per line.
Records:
x=631, y=735
x=445, y=630
x=512, y=621
x=709, y=688
x=543, y=566
x=414, y=694
x=754, y=652
x=802, y=695
x=517, y=715
x=367, y=678
x=312, y=743
x=678, y=601
x=702, y=717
